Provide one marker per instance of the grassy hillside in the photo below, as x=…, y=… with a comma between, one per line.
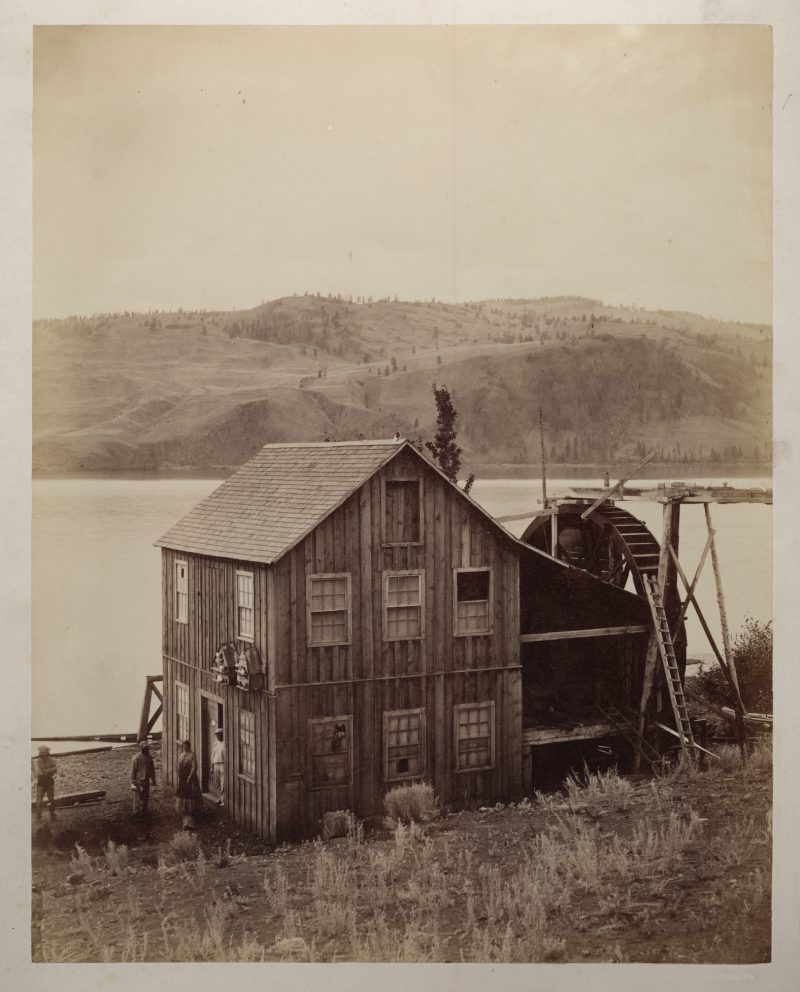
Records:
x=201, y=392
x=672, y=869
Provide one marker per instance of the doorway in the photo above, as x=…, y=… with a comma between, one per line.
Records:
x=211, y=720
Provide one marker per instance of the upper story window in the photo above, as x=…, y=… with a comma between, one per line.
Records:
x=473, y=601
x=403, y=744
x=244, y=605
x=330, y=743
x=402, y=511
x=328, y=609
x=403, y=616
x=181, y=592
x=474, y=733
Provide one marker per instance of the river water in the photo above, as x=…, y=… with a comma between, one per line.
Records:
x=97, y=583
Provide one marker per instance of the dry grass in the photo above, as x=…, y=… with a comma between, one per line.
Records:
x=546, y=873
x=600, y=791
x=184, y=846
x=116, y=857
x=413, y=803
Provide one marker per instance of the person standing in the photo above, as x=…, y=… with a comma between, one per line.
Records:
x=143, y=774
x=218, y=767
x=45, y=771
x=188, y=797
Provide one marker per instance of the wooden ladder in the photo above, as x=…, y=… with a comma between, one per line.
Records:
x=666, y=650
x=627, y=730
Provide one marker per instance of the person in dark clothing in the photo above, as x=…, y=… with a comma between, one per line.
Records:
x=143, y=774
x=188, y=797
x=45, y=770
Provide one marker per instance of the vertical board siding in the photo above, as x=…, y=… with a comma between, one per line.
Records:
x=188, y=653
x=362, y=679
x=370, y=675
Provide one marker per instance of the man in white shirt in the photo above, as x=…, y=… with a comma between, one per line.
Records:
x=218, y=767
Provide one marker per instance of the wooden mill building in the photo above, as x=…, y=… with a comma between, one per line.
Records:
x=356, y=622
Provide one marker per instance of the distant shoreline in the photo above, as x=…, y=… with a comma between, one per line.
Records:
x=655, y=470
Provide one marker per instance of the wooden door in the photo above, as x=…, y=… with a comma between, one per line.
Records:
x=211, y=719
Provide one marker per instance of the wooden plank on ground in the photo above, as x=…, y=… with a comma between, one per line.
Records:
x=76, y=799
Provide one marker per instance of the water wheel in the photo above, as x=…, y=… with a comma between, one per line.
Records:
x=611, y=543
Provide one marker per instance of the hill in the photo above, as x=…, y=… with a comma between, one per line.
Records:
x=200, y=392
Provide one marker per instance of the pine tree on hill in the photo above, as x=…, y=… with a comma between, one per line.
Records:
x=444, y=447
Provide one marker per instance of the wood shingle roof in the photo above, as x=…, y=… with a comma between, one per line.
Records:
x=276, y=498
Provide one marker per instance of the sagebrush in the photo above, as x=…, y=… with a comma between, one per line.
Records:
x=415, y=803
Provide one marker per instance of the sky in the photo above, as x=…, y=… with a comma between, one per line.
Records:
x=220, y=167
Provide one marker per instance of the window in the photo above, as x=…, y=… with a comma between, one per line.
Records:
x=247, y=744
x=473, y=595
x=402, y=605
x=402, y=511
x=330, y=745
x=181, y=592
x=403, y=744
x=474, y=725
x=244, y=605
x=328, y=609
x=181, y=711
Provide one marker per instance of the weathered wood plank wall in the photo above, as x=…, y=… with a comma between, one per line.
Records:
x=364, y=678
x=188, y=653
x=373, y=675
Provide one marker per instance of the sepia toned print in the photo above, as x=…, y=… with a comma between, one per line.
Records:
x=402, y=454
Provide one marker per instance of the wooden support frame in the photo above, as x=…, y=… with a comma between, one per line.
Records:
x=617, y=485
x=531, y=736
x=701, y=617
x=726, y=640
x=570, y=635
x=649, y=683
x=666, y=576
x=692, y=586
x=146, y=721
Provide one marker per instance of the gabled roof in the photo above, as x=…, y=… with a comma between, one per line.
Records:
x=277, y=498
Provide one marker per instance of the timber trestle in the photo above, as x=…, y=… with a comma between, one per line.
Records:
x=148, y=720
x=590, y=531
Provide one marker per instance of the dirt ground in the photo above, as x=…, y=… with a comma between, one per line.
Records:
x=93, y=826
x=443, y=892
